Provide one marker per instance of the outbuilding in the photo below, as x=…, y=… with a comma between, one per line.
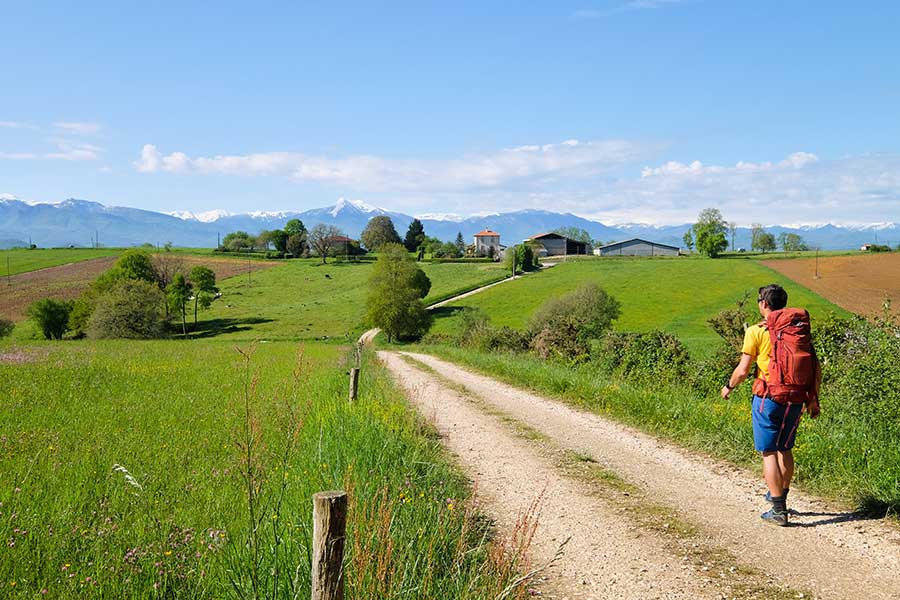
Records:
x=559, y=245
x=637, y=247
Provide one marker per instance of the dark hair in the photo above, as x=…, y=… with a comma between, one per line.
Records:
x=774, y=296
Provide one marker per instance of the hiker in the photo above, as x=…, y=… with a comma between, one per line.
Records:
x=786, y=385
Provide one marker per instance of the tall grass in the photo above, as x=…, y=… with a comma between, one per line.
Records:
x=160, y=469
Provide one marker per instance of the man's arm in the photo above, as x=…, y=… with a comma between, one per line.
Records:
x=741, y=372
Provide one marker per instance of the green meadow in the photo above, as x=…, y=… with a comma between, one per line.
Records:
x=304, y=299
x=24, y=260
x=186, y=469
x=676, y=295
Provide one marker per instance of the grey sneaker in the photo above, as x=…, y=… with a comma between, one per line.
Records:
x=775, y=518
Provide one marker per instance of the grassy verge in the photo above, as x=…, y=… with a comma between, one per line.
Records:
x=166, y=469
x=837, y=457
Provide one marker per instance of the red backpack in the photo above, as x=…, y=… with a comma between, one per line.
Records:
x=793, y=365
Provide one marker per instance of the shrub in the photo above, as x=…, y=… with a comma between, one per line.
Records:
x=6, y=327
x=564, y=326
x=132, y=309
x=654, y=357
x=731, y=323
x=51, y=316
x=477, y=332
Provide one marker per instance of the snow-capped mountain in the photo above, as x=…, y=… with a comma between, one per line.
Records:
x=76, y=222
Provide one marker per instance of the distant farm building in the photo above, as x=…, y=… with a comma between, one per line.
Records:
x=487, y=243
x=637, y=247
x=559, y=245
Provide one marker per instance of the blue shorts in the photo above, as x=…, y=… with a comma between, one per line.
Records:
x=774, y=425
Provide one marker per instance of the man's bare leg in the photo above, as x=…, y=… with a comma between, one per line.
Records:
x=786, y=467
x=772, y=473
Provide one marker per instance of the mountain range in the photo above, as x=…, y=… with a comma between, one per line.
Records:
x=80, y=222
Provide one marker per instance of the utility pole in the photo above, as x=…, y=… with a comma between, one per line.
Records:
x=817, y=263
x=98, y=238
x=8, y=273
x=249, y=279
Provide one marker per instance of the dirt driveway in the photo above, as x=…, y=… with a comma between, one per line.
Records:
x=646, y=520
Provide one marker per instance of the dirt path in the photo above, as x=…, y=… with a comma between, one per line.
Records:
x=606, y=556
x=829, y=553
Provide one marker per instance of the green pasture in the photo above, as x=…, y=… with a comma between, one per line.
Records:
x=303, y=299
x=676, y=295
x=127, y=468
x=23, y=260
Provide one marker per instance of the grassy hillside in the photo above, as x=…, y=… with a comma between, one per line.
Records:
x=304, y=299
x=124, y=466
x=676, y=295
x=23, y=261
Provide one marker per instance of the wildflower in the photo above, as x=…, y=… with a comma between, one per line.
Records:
x=17, y=490
x=168, y=553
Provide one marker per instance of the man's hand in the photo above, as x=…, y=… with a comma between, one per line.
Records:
x=725, y=392
x=813, y=409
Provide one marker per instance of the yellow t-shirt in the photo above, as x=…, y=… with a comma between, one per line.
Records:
x=758, y=345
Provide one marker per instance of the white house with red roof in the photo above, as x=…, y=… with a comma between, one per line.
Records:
x=485, y=241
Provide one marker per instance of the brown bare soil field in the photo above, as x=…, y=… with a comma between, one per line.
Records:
x=857, y=283
x=66, y=282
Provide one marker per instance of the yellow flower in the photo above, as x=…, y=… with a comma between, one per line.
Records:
x=168, y=553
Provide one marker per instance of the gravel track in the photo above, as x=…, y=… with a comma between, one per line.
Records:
x=832, y=553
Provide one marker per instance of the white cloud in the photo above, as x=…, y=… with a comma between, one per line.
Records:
x=571, y=158
x=8, y=197
x=797, y=160
x=78, y=128
x=65, y=150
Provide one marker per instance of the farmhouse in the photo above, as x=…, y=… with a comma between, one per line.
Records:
x=637, y=247
x=558, y=245
x=487, y=243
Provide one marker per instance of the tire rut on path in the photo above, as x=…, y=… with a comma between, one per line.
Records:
x=828, y=551
x=606, y=557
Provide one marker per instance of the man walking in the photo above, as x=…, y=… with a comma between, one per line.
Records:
x=787, y=380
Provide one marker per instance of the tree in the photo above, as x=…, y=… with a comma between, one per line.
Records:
x=791, y=242
x=688, y=240
x=295, y=227
x=575, y=233
x=279, y=239
x=396, y=288
x=415, y=235
x=709, y=232
x=296, y=245
x=732, y=229
x=460, y=244
x=323, y=238
x=263, y=239
x=178, y=294
x=378, y=232
x=51, y=316
x=135, y=264
x=564, y=326
x=237, y=240
x=203, y=280
x=761, y=240
x=132, y=309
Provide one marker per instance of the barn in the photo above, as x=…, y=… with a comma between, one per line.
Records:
x=637, y=247
x=559, y=245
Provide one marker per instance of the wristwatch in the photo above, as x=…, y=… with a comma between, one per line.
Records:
x=728, y=386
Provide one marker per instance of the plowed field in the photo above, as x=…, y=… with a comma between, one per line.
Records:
x=66, y=282
x=858, y=283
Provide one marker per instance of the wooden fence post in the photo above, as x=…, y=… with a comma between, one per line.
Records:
x=329, y=526
x=354, y=383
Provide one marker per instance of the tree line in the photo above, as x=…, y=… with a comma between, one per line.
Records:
x=710, y=235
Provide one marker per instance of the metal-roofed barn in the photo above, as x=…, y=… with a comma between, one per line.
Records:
x=637, y=247
x=559, y=245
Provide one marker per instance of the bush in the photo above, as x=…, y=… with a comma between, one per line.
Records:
x=51, y=316
x=564, y=326
x=132, y=309
x=654, y=357
x=477, y=332
x=6, y=327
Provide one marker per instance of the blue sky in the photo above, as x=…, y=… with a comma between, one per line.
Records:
x=628, y=110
